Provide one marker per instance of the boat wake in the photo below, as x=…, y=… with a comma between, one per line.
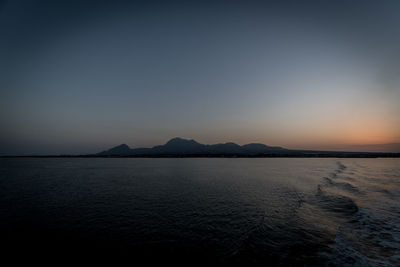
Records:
x=368, y=236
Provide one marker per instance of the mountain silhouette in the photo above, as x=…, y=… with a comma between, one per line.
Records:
x=120, y=150
x=180, y=147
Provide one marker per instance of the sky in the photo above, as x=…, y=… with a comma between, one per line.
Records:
x=82, y=76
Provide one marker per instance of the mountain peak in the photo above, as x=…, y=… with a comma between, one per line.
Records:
x=179, y=141
x=231, y=144
x=122, y=149
x=122, y=146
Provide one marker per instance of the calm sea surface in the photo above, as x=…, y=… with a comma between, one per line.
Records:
x=269, y=211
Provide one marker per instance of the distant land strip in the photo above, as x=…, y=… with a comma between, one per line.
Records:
x=184, y=148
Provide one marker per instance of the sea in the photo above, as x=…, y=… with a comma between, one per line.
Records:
x=224, y=211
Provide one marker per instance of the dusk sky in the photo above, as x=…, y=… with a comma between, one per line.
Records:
x=82, y=76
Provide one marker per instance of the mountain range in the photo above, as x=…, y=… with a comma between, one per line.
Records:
x=179, y=147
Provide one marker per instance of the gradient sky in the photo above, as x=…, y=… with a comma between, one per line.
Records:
x=82, y=76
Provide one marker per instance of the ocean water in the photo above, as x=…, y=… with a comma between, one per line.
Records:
x=261, y=211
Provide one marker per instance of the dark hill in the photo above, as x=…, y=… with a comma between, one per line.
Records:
x=118, y=150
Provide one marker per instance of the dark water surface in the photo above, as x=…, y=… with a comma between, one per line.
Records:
x=191, y=210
